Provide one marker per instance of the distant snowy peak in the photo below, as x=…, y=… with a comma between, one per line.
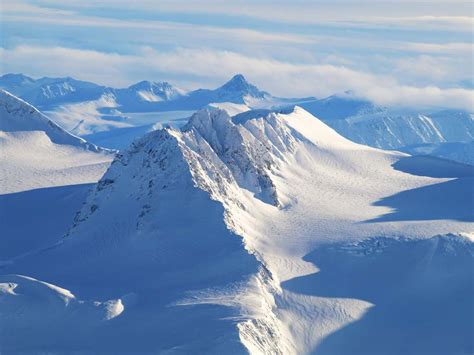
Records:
x=15, y=83
x=238, y=90
x=239, y=85
x=341, y=106
x=19, y=116
x=156, y=91
x=48, y=92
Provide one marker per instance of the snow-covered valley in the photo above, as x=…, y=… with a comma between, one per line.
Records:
x=262, y=232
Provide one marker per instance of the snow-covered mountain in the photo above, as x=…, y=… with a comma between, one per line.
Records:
x=340, y=107
x=392, y=128
x=150, y=91
x=45, y=173
x=266, y=232
x=17, y=84
x=90, y=110
x=19, y=116
x=462, y=152
x=127, y=112
x=236, y=91
x=49, y=93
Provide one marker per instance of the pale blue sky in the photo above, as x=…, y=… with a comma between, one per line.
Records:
x=393, y=52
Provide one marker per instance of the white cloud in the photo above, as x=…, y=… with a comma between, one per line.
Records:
x=175, y=29
x=211, y=67
x=244, y=40
x=429, y=69
x=16, y=7
x=447, y=15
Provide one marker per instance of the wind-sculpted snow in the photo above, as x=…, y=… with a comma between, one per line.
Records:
x=266, y=233
x=406, y=281
x=40, y=311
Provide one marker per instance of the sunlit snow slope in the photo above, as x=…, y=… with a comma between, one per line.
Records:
x=266, y=233
x=36, y=152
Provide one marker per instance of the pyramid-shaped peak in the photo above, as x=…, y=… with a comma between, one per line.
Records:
x=238, y=78
x=237, y=83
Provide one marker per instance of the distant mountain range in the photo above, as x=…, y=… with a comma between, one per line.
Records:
x=113, y=117
x=145, y=96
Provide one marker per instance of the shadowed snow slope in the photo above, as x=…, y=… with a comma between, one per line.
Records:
x=45, y=174
x=210, y=237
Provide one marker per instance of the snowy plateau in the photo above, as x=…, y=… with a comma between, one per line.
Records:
x=231, y=221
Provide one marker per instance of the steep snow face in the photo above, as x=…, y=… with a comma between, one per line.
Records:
x=37, y=153
x=267, y=232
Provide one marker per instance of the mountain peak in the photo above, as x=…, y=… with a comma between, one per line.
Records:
x=237, y=83
x=239, y=78
x=238, y=88
x=146, y=84
x=19, y=116
x=16, y=78
x=154, y=91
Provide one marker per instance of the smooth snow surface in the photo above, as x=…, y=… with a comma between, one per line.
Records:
x=37, y=153
x=266, y=233
x=45, y=175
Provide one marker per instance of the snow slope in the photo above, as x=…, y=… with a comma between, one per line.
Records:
x=391, y=128
x=37, y=153
x=45, y=175
x=264, y=232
